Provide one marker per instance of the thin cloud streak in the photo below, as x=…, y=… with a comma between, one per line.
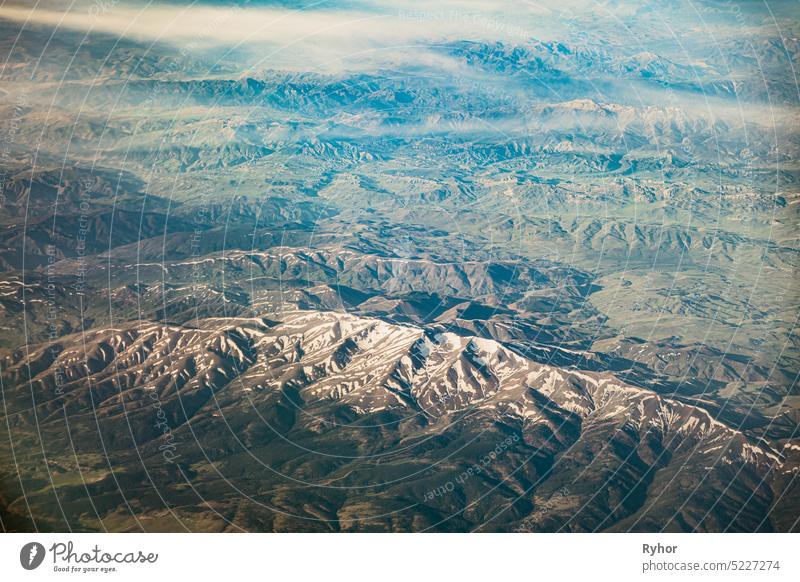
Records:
x=234, y=25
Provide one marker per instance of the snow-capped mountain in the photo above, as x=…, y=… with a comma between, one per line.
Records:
x=340, y=373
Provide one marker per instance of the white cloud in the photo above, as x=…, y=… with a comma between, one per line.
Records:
x=387, y=24
x=382, y=34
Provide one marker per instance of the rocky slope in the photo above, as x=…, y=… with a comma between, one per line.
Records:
x=279, y=390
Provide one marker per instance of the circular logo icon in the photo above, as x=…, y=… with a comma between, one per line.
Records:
x=31, y=555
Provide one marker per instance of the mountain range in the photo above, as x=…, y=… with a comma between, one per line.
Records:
x=358, y=266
